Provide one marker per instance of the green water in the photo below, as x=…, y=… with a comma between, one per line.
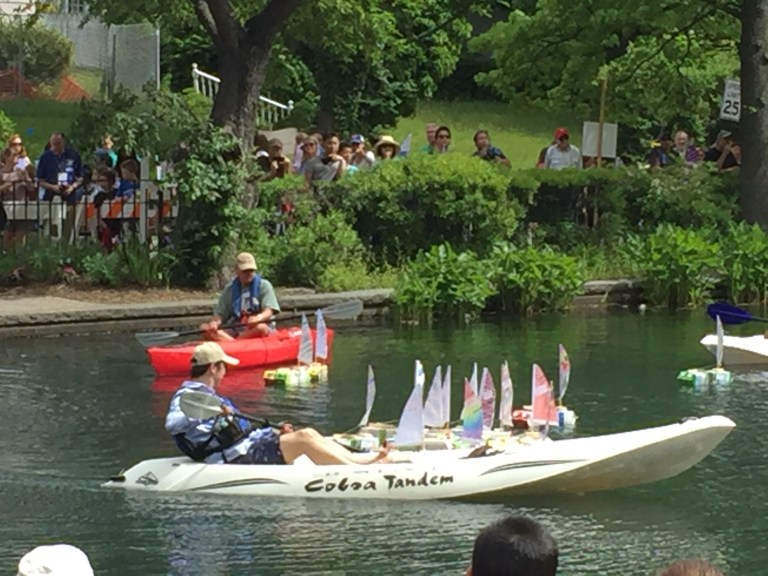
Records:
x=77, y=410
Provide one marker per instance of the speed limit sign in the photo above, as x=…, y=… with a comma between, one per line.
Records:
x=730, y=108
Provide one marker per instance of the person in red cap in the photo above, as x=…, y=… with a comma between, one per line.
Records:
x=562, y=154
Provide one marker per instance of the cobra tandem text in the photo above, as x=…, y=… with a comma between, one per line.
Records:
x=392, y=483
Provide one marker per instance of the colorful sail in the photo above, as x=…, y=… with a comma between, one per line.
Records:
x=410, y=430
x=321, y=337
x=487, y=398
x=505, y=404
x=544, y=410
x=370, y=395
x=446, y=403
x=305, y=344
x=433, y=408
x=472, y=415
x=720, y=337
x=565, y=372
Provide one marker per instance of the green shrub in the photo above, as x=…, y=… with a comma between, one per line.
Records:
x=7, y=127
x=532, y=280
x=745, y=262
x=407, y=205
x=45, y=54
x=103, y=269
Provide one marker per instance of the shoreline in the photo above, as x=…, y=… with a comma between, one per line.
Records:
x=56, y=315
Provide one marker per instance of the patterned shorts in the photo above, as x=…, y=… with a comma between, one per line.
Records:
x=264, y=450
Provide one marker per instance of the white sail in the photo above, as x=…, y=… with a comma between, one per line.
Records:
x=446, y=403
x=305, y=344
x=506, y=402
x=473, y=380
x=370, y=395
x=720, y=336
x=487, y=398
x=433, y=408
x=565, y=371
x=321, y=337
x=410, y=430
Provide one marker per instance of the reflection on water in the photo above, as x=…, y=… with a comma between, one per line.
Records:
x=77, y=410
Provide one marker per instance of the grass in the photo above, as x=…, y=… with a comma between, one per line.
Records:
x=36, y=119
x=519, y=129
x=89, y=79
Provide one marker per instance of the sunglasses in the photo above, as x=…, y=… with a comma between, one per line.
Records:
x=17, y=143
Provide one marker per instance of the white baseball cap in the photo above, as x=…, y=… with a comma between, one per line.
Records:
x=55, y=560
x=210, y=353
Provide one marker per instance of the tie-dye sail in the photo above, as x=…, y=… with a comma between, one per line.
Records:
x=505, y=404
x=487, y=398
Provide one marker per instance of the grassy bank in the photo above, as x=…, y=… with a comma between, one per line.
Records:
x=36, y=119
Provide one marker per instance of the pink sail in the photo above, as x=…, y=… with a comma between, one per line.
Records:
x=505, y=404
x=544, y=410
x=487, y=398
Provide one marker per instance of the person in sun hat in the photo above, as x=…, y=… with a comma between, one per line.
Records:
x=55, y=560
x=386, y=147
x=229, y=439
x=248, y=299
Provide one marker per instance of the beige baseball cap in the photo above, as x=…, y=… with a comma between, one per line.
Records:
x=210, y=353
x=245, y=261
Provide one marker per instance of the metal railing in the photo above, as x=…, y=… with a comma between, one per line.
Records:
x=269, y=113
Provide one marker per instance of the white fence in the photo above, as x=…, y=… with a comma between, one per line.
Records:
x=269, y=111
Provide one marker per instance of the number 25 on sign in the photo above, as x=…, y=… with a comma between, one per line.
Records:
x=730, y=109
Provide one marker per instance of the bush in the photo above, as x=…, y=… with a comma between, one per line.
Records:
x=7, y=127
x=405, y=206
x=45, y=54
x=745, y=262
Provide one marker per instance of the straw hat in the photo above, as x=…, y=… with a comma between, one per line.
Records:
x=387, y=140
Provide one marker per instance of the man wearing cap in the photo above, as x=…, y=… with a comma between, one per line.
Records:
x=231, y=440
x=721, y=152
x=248, y=299
x=562, y=154
x=362, y=158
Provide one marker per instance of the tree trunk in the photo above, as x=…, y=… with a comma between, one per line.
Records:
x=754, y=114
x=242, y=75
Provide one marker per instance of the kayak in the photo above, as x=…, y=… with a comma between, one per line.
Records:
x=279, y=347
x=739, y=350
x=575, y=465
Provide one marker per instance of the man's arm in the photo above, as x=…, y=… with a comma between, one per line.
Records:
x=222, y=312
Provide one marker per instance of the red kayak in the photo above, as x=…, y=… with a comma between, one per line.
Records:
x=280, y=347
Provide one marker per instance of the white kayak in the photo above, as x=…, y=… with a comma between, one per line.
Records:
x=739, y=350
x=574, y=465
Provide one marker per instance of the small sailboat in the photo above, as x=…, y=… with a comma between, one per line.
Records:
x=433, y=407
x=718, y=376
x=566, y=418
x=311, y=367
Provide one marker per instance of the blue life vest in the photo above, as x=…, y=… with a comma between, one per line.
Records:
x=253, y=303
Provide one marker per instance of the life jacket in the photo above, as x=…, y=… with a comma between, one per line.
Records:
x=227, y=432
x=254, y=303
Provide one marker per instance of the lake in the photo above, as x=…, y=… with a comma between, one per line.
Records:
x=79, y=409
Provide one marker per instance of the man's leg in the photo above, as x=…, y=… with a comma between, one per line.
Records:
x=215, y=335
x=320, y=450
x=255, y=331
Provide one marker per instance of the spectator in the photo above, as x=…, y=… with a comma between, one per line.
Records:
x=129, y=179
x=345, y=151
x=486, y=151
x=361, y=157
x=386, y=147
x=442, y=140
x=261, y=152
x=55, y=560
x=59, y=170
x=722, y=152
x=429, y=147
x=514, y=546
x=691, y=568
x=278, y=165
x=15, y=155
x=562, y=154
x=298, y=152
x=106, y=153
x=328, y=167
x=660, y=156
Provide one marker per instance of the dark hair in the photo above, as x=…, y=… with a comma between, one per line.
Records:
x=330, y=135
x=478, y=133
x=344, y=145
x=514, y=546
x=691, y=568
x=443, y=129
x=198, y=371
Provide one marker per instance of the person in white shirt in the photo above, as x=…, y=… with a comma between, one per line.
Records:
x=562, y=154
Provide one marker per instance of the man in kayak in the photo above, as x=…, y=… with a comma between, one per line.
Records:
x=248, y=298
x=514, y=546
x=230, y=440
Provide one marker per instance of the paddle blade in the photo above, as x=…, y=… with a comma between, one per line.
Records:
x=150, y=339
x=347, y=310
x=199, y=405
x=729, y=314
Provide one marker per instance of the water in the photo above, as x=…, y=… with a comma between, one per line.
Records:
x=77, y=410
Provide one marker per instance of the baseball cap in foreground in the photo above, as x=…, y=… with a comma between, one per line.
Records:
x=55, y=560
x=245, y=261
x=210, y=353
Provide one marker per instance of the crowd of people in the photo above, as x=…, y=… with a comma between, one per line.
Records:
x=510, y=546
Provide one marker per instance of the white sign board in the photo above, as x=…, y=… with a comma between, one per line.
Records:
x=589, y=139
x=730, y=108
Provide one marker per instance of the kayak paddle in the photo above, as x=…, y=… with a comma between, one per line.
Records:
x=347, y=310
x=730, y=314
x=202, y=406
